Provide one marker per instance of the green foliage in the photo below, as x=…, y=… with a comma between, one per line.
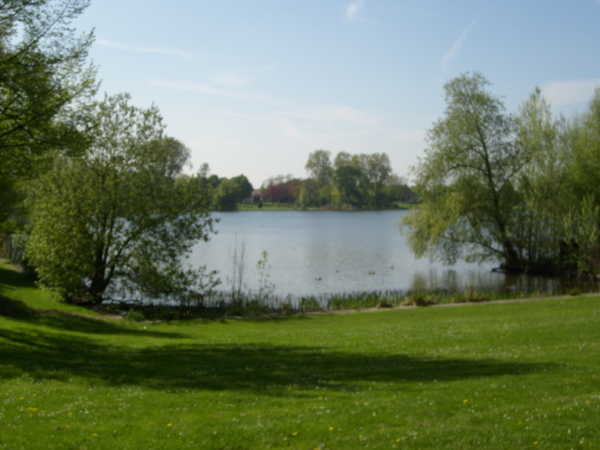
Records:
x=227, y=193
x=466, y=180
x=116, y=222
x=350, y=182
x=43, y=77
x=518, y=189
x=354, y=181
x=319, y=167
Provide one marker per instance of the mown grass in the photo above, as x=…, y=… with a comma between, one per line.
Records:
x=494, y=376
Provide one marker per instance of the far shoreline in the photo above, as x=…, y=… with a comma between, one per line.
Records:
x=267, y=206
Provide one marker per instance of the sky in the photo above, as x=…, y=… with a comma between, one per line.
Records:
x=254, y=86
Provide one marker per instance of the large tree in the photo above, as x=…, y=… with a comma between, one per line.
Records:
x=42, y=74
x=467, y=179
x=582, y=219
x=319, y=167
x=116, y=221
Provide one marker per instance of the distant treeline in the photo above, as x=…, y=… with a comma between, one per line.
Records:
x=225, y=193
x=351, y=181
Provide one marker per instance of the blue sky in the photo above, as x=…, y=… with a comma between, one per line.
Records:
x=253, y=87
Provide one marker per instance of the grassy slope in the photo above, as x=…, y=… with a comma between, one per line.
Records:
x=521, y=375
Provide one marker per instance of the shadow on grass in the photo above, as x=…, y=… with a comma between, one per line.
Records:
x=13, y=278
x=275, y=370
x=80, y=324
x=15, y=309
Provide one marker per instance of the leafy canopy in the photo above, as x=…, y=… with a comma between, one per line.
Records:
x=116, y=222
x=42, y=75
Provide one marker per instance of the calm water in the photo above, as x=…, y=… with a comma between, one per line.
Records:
x=316, y=252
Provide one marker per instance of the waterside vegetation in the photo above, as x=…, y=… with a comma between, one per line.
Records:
x=522, y=189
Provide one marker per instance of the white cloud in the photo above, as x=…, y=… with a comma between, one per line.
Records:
x=458, y=44
x=353, y=9
x=136, y=48
x=570, y=92
x=205, y=88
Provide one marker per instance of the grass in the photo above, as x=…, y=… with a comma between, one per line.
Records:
x=494, y=376
x=221, y=304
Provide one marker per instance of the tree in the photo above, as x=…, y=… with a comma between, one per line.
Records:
x=42, y=75
x=116, y=221
x=243, y=187
x=319, y=167
x=582, y=218
x=537, y=228
x=349, y=181
x=225, y=196
x=467, y=179
x=343, y=159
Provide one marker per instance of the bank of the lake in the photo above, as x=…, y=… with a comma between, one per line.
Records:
x=268, y=206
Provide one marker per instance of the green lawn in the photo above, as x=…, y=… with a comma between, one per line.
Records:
x=487, y=376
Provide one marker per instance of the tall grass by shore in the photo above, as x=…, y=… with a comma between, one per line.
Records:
x=248, y=303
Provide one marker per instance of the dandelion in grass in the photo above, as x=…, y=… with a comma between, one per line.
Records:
x=169, y=424
x=21, y=398
x=466, y=400
x=535, y=442
x=32, y=409
x=330, y=428
x=294, y=433
x=95, y=435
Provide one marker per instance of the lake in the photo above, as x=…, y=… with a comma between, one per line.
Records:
x=321, y=252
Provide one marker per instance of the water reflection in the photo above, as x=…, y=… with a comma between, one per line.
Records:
x=320, y=252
